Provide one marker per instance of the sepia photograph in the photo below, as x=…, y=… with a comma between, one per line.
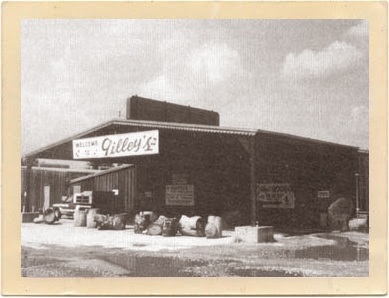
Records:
x=195, y=148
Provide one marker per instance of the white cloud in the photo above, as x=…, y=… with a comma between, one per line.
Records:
x=336, y=57
x=358, y=125
x=214, y=62
x=360, y=116
x=362, y=29
x=160, y=88
x=188, y=76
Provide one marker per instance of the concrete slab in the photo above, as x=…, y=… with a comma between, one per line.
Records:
x=251, y=234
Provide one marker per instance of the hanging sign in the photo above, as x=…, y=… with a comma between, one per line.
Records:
x=128, y=144
x=180, y=195
x=275, y=195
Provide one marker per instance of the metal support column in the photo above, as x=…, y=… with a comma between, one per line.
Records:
x=253, y=182
x=356, y=194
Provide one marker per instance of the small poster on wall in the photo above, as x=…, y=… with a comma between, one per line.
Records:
x=275, y=195
x=180, y=195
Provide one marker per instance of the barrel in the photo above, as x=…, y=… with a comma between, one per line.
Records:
x=192, y=226
x=214, y=227
x=119, y=221
x=170, y=227
x=90, y=218
x=194, y=222
x=57, y=213
x=80, y=218
x=49, y=216
x=160, y=221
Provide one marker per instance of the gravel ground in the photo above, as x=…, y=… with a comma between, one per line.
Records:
x=63, y=250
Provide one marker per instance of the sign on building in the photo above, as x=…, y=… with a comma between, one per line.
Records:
x=275, y=195
x=180, y=195
x=128, y=144
x=323, y=194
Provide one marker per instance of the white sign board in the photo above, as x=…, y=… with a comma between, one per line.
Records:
x=128, y=144
x=275, y=195
x=180, y=195
x=323, y=194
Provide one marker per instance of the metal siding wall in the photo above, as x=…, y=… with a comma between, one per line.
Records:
x=39, y=178
x=363, y=170
x=122, y=180
x=309, y=167
x=139, y=108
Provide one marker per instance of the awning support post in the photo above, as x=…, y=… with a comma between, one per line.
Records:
x=26, y=194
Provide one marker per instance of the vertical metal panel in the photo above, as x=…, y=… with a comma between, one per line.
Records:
x=363, y=181
x=39, y=178
x=139, y=108
x=122, y=180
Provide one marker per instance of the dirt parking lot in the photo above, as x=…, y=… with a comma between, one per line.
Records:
x=65, y=250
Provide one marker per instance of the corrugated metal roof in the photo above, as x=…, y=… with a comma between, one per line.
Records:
x=179, y=126
x=100, y=173
x=186, y=127
x=363, y=151
x=150, y=124
x=67, y=170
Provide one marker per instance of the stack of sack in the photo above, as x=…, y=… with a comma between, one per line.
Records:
x=114, y=222
x=150, y=223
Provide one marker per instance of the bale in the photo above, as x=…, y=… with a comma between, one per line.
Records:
x=57, y=213
x=160, y=221
x=193, y=222
x=141, y=223
x=170, y=227
x=192, y=226
x=119, y=221
x=154, y=230
x=339, y=214
x=115, y=222
x=80, y=218
x=214, y=227
x=49, y=216
x=99, y=219
x=90, y=218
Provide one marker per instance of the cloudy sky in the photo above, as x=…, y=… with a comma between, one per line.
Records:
x=303, y=77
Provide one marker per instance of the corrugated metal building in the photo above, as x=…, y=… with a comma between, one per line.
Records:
x=363, y=181
x=269, y=178
x=140, y=108
x=113, y=189
x=46, y=186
